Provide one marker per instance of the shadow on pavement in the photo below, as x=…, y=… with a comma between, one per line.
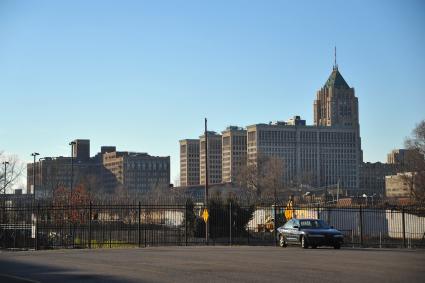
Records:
x=16, y=271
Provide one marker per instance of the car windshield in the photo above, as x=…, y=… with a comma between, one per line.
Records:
x=313, y=224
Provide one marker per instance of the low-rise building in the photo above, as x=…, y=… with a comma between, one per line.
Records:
x=399, y=186
x=372, y=177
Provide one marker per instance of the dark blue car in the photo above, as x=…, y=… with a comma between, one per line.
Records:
x=309, y=233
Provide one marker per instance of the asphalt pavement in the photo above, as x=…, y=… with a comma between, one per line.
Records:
x=213, y=264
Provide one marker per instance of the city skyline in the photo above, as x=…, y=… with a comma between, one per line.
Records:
x=149, y=89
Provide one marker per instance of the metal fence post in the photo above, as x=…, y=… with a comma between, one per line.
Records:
x=230, y=223
x=403, y=222
x=318, y=212
x=275, y=226
x=36, y=227
x=144, y=228
x=185, y=223
x=90, y=217
x=361, y=225
x=139, y=239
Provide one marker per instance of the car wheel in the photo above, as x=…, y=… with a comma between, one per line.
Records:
x=337, y=246
x=313, y=246
x=282, y=241
x=304, y=244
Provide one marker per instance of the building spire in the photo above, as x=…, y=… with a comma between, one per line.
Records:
x=335, y=64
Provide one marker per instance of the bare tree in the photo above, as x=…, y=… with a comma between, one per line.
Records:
x=272, y=177
x=415, y=162
x=92, y=185
x=417, y=140
x=14, y=170
x=265, y=177
x=161, y=193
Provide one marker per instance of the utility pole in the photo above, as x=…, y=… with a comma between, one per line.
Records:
x=206, y=179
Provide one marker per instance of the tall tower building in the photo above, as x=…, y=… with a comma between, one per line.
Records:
x=234, y=152
x=189, y=162
x=81, y=150
x=336, y=103
x=214, y=158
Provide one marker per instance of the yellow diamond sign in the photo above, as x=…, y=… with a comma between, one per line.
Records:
x=205, y=215
x=289, y=211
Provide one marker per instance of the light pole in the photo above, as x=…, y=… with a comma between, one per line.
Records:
x=365, y=196
x=4, y=192
x=5, y=183
x=72, y=144
x=206, y=181
x=34, y=154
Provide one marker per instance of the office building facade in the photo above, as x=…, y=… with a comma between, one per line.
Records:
x=189, y=162
x=214, y=147
x=107, y=171
x=136, y=172
x=372, y=177
x=234, y=153
x=317, y=156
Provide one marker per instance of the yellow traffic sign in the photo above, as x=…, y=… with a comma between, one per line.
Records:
x=289, y=211
x=205, y=215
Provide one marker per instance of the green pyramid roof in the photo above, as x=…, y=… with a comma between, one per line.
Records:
x=336, y=80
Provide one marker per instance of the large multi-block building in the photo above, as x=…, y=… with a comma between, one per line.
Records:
x=321, y=155
x=137, y=172
x=189, y=162
x=52, y=173
x=325, y=154
x=372, y=177
x=317, y=156
x=214, y=147
x=108, y=170
x=233, y=153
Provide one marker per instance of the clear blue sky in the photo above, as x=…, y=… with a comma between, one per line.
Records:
x=142, y=75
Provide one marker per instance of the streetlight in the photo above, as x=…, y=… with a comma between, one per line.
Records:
x=5, y=164
x=365, y=196
x=206, y=181
x=34, y=154
x=72, y=144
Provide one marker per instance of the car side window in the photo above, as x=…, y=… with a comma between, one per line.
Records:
x=288, y=224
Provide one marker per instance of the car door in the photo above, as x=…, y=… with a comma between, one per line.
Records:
x=295, y=231
x=287, y=230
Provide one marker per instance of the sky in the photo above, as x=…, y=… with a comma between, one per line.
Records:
x=142, y=75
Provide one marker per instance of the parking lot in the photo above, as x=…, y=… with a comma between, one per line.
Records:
x=213, y=264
